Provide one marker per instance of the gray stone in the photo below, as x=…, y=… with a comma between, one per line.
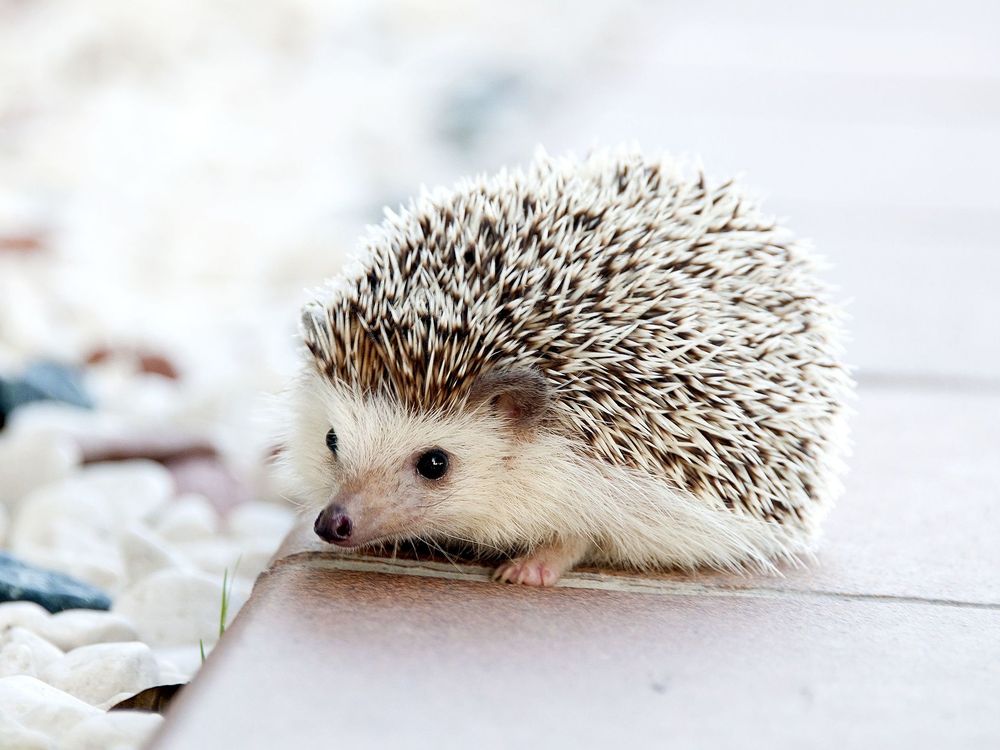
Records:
x=20, y=581
x=42, y=381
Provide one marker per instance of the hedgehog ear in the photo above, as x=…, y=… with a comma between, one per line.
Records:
x=314, y=325
x=521, y=395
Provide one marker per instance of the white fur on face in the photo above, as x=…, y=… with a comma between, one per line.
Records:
x=378, y=445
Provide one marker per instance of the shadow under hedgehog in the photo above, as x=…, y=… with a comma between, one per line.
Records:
x=608, y=361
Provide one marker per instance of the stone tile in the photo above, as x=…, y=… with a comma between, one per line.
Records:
x=338, y=658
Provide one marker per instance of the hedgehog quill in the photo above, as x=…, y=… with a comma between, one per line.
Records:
x=607, y=361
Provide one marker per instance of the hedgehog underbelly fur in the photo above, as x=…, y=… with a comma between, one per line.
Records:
x=615, y=359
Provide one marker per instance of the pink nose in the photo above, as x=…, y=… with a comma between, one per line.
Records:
x=333, y=525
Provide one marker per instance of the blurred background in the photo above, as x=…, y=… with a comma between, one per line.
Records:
x=174, y=175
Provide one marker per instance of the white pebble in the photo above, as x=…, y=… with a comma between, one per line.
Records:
x=65, y=421
x=173, y=607
x=260, y=521
x=115, y=730
x=178, y=664
x=73, y=628
x=31, y=459
x=108, y=703
x=16, y=658
x=170, y=673
x=16, y=736
x=38, y=707
x=134, y=488
x=145, y=553
x=187, y=518
x=145, y=398
x=216, y=556
x=96, y=673
x=24, y=652
x=69, y=526
x=23, y=614
x=86, y=560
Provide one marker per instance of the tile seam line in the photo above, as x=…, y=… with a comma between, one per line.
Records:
x=597, y=582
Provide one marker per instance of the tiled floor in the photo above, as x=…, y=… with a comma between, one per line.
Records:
x=325, y=658
x=890, y=639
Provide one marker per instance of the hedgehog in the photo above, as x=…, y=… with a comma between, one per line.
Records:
x=609, y=361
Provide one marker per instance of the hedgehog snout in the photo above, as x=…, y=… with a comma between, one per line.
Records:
x=333, y=525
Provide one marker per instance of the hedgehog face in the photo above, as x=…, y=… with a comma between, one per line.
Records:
x=376, y=471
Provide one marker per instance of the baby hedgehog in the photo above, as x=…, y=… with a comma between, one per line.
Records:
x=604, y=361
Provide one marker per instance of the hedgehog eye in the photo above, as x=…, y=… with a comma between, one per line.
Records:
x=331, y=441
x=433, y=464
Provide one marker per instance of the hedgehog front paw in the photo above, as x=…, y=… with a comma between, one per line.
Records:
x=528, y=571
x=541, y=568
